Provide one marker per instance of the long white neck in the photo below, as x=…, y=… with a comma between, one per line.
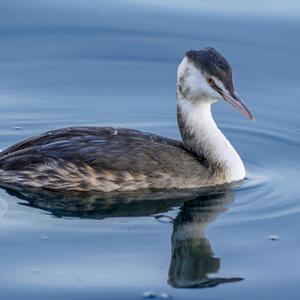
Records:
x=201, y=135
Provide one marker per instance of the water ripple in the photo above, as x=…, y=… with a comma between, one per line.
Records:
x=270, y=190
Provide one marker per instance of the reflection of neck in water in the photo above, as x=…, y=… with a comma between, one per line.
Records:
x=192, y=259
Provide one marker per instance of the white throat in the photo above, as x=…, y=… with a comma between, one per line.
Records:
x=201, y=135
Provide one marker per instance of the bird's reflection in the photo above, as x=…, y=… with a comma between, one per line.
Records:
x=193, y=262
x=105, y=205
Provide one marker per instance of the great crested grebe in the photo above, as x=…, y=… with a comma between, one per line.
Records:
x=110, y=159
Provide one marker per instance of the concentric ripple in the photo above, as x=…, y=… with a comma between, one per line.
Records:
x=271, y=188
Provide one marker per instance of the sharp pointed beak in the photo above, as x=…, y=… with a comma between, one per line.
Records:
x=234, y=100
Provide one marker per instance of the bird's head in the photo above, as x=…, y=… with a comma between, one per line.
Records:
x=205, y=75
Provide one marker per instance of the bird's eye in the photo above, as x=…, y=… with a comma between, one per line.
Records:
x=210, y=81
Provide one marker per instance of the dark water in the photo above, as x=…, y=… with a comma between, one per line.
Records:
x=114, y=62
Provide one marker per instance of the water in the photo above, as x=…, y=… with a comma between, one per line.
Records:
x=69, y=63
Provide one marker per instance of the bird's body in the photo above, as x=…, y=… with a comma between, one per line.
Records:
x=103, y=159
x=110, y=159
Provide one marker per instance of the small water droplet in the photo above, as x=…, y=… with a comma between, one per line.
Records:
x=154, y=295
x=165, y=296
x=274, y=237
x=44, y=237
x=149, y=295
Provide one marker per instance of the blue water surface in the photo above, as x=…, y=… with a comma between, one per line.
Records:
x=114, y=63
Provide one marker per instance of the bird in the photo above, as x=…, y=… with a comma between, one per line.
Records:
x=108, y=159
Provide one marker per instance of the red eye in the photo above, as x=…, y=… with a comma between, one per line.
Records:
x=210, y=81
